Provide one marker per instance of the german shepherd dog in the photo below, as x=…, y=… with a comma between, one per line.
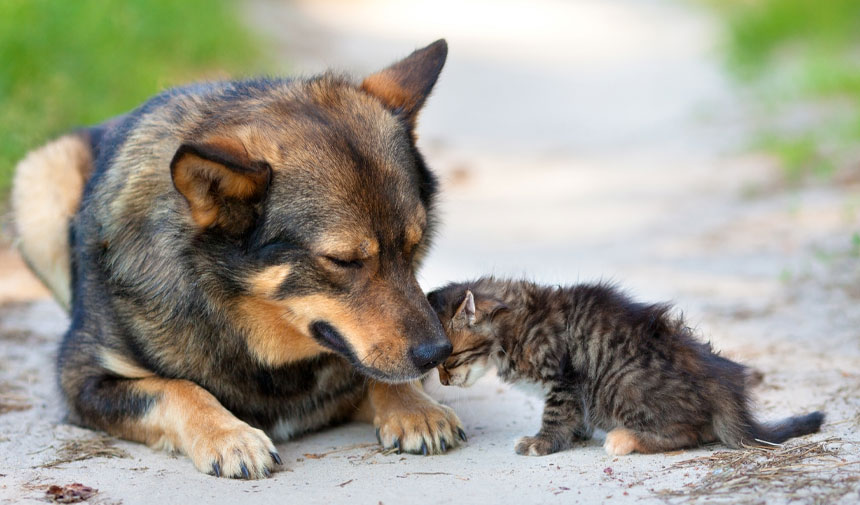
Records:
x=239, y=261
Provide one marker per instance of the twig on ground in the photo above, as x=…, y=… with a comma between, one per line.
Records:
x=88, y=448
x=801, y=471
x=321, y=455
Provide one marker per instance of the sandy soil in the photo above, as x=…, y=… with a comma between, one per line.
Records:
x=576, y=141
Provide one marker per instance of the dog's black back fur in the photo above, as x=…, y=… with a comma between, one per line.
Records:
x=244, y=252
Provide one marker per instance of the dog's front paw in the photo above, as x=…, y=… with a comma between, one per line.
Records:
x=619, y=442
x=535, y=446
x=235, y=450
x=425, y=428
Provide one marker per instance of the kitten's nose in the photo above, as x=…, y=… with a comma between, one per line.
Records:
x=428, y=355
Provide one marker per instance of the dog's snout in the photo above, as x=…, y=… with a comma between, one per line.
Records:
x=428, y=355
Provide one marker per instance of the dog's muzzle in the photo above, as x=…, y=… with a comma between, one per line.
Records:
x=427, y=355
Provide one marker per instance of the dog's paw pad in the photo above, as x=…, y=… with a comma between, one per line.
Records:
x=428, y=428
x=619, y=442
x=238, y=451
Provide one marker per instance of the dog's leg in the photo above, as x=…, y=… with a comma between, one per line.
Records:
x=173, y=414
x=407, y=419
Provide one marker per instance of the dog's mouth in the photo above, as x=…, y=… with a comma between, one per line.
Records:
x=331, y=339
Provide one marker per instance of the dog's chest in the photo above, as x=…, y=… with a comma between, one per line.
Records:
x=301, y=397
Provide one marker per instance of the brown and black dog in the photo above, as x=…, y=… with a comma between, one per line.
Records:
x=239, y=259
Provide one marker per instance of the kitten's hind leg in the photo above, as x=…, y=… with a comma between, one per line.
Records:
x=563, y=424
x=621, y=441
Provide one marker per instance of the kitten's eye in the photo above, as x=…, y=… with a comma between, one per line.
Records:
x=345, y=264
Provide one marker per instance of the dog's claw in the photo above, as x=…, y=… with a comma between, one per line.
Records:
x=216, y=469
x=267, y=472
x=378, y=438
x=462, y=434
x=277, y=458
x=424, y=448
x=245, y=473
x=443, y=445
x=397, y=445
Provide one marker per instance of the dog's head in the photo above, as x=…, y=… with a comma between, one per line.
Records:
x=313, y=208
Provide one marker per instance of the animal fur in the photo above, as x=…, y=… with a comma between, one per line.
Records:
x=605, y=361
x=43, y=211
x=239, y=258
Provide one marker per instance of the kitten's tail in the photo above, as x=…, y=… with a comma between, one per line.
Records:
x=738, y=429
x=780, y=431
x=733, y=421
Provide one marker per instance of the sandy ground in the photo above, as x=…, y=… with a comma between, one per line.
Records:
x=576, y=141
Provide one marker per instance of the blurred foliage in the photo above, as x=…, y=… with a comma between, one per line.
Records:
x=803, y=56
x=71, y=63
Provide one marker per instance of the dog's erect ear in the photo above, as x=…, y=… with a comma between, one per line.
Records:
x=465, y=313
x=404, y=86
x=218, y=179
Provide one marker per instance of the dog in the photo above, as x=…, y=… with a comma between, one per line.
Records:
x=239, y=262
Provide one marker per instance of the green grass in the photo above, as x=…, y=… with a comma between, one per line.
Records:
x=801, y=52
x=68, y=63
x=760, y=29
x=799, y=154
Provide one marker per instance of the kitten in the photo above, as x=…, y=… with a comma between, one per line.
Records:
x=605, y=361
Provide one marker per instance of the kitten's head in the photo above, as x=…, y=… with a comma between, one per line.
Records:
x=467, y=318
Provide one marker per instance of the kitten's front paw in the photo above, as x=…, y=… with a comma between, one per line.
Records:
x=619, y=442
x=534, y=446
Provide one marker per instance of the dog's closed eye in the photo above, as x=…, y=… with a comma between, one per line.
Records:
x=344, y=263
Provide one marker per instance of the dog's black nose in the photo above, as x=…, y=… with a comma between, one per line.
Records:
x=429, y=354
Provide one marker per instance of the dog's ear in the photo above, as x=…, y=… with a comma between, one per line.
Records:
x=219, y=181
x=405, y=85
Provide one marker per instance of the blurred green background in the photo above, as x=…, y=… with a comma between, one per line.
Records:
x=72, y=63
x=801, y=59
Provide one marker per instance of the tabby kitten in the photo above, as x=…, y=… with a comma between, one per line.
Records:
x=604, y=361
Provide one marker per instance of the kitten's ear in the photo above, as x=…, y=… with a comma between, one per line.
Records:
x=465, y=313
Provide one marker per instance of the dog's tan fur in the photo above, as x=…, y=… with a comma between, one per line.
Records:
x=42, y=211
x=242, y=251
x=209, y=433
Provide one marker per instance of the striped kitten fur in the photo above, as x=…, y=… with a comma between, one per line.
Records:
x=605, y=362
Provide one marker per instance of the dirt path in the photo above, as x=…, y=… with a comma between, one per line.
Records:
x=576, y=141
